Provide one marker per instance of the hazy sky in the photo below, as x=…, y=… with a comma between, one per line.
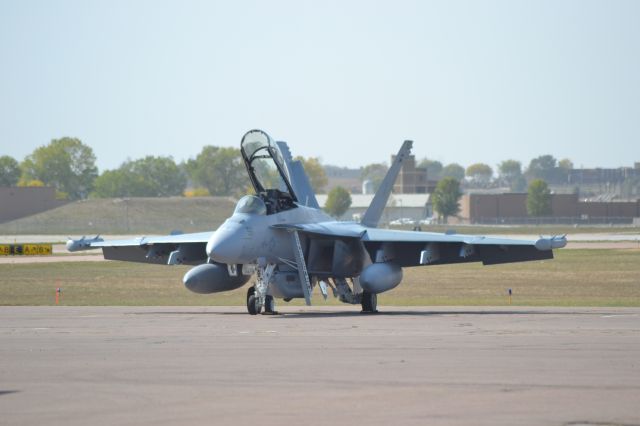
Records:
x=347, y=80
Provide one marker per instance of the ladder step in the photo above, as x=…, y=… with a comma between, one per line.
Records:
x=302, y=268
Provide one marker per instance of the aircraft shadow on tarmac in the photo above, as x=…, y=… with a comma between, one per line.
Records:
x=8, y=392
x=389, y=313
x=413, y=313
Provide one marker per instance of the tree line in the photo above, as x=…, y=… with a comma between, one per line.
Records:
x=69, y=166
x=509, y=173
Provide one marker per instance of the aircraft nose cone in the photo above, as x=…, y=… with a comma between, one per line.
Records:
x=225, y=246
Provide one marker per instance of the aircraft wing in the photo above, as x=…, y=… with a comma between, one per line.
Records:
x=426, y=248
x=389, y=235
x=166, y=249
x=411, y=248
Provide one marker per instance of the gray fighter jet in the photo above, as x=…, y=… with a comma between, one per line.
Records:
x=281, y=236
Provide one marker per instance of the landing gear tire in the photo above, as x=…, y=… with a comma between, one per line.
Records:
x=369, y=303
x=252, y=302
x=269, y=306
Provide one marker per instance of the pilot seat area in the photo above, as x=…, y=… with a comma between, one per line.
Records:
x=267, y=171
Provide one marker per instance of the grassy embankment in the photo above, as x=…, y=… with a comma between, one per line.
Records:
x=126, y=216
x=574, y=278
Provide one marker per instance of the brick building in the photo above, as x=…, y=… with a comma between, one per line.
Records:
x=17, y=202
x=512, y=208
x=412, y=179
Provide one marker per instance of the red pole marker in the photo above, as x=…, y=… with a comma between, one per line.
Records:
x=58, y=294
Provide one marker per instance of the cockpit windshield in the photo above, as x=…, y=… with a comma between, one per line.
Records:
x=251, y=204
x=267, y=171
x=265, y=162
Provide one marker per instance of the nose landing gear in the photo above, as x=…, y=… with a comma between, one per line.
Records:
x=254, y=307
x=257, y=296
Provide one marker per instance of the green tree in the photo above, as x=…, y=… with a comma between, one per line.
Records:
x=479, y=173
x=446, y=198
x=539, y=198
x=434, y=168
x=147, y=177
x=544, y=167
x=117, y=183
x=565, y=164
x=9, y=171
x=220, y=170
x=314, y=170
x=510, y=173
x=564, y=167
x=375, y=173
x=67, y=164
x=519, y=184
x=338, y=201
x=453, y=170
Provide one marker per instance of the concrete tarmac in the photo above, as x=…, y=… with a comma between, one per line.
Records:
x=330, y=365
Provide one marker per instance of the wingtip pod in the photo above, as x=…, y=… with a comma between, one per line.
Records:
x=82, y=243
x=554, y=242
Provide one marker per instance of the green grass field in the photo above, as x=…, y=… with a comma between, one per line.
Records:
x=575, y=278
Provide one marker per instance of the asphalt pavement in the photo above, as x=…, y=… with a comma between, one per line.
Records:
x=333, y=365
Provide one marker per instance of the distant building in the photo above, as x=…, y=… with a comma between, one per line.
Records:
x=412, y=179
x=565, y=208
x=344, y=177
x=21, y=201
x=412, y=206
x=602, y=176
x=367, y=187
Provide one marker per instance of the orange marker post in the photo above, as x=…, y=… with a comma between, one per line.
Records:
x=58, y=295
x=510, y=296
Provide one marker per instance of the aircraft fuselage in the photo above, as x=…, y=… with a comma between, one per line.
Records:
x=243, y=238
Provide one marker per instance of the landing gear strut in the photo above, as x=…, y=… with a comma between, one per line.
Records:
x=269, y=306
x=369, y=303
x=257, y=296
x=253, y=306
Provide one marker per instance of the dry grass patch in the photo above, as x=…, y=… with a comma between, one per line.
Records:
x=574, y=278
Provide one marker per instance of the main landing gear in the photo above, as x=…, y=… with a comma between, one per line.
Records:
x=369, y=303
x=253, y=306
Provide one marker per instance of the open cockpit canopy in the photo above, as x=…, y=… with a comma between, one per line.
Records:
x=267, y=171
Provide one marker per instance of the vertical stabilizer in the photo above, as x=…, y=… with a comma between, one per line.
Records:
x=374, y=212
x=299, y=180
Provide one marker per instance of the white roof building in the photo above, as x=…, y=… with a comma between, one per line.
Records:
x=413, y=206
x=395, y=200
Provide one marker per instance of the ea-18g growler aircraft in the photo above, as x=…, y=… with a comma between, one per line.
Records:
x=281, y=236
